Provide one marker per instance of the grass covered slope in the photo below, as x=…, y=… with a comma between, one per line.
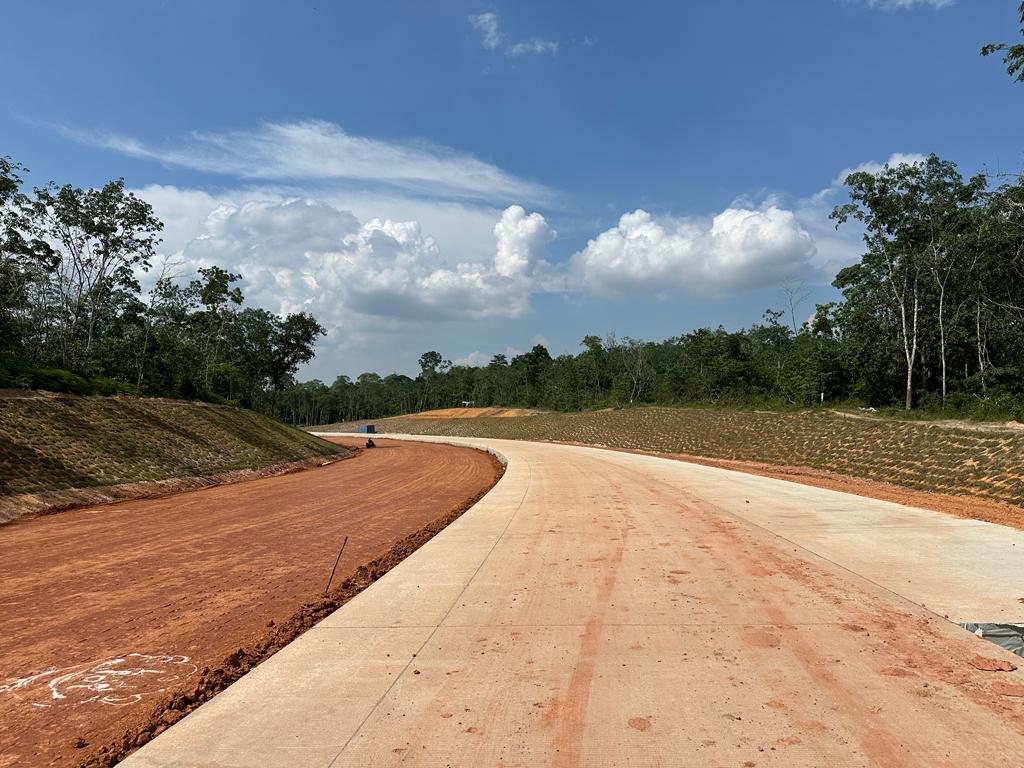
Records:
x=58, y=448
x=987, y=463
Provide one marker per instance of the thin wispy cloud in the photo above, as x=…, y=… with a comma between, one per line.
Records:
x=319, y=151
x=487, y=24
x=903, y=5
x=535, y=46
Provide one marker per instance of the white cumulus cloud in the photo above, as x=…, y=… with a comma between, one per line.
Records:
x=738, y=249
x=873, y=166
x=521, y=238
x=305, y=254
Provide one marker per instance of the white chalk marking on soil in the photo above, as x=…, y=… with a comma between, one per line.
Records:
x=119, y=682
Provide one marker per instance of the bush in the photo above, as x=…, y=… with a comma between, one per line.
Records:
x=57, y=380
x=101, y=385
x=17, y=375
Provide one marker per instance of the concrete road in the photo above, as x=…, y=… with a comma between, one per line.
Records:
x=607, y=609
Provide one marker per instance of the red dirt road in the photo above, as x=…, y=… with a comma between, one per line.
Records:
x=103, y=608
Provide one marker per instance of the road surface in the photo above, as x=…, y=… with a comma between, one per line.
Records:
x=607, y=609
x=104, y=607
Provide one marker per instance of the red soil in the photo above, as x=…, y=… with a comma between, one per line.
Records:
x=108, y=611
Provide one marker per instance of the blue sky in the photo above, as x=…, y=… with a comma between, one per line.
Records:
x=476, y=176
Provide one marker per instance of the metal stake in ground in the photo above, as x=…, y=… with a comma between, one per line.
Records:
x=338, y=560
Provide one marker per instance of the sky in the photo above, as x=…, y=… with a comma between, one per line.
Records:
x=477, y=177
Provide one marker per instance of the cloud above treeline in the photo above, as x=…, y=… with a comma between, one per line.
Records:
x=298, y=254
x=374, y=266
x=735, y=250
x=316, y=151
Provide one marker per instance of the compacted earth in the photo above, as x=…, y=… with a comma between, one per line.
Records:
x=107, y=610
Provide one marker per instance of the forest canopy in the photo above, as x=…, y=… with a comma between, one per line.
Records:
x=74, y=318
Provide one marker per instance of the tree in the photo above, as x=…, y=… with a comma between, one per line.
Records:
x=1014, y=54
x=26, y=261
x=430, y=362
x=945, y=218
x=100, y=238
x=886, y=204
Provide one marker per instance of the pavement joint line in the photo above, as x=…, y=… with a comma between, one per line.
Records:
x=380, y=699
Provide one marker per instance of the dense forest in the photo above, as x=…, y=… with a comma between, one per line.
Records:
x=73, y=316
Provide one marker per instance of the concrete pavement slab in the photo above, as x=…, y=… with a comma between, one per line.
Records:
x=600, y=608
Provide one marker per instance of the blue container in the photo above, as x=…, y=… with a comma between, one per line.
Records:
x=366, y=429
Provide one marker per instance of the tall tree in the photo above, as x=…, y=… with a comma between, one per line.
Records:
x=100, y=238
x=886, y=205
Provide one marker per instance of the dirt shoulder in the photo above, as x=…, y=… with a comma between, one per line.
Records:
x=28, y=505
x=115, y=616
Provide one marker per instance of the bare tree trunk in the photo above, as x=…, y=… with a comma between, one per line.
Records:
x=981, y=348
x=909, y=334
x=942, y=337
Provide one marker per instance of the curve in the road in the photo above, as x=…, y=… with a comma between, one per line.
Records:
x=600, y=608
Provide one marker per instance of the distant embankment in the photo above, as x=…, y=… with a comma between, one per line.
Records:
x=985, y=462
x=62, y=451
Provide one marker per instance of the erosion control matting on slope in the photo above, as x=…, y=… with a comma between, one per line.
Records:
x=119, y=619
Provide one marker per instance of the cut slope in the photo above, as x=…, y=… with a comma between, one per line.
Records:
x=62, y=450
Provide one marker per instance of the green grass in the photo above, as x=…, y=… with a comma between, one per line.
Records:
x=931, y=457
x=57, y=443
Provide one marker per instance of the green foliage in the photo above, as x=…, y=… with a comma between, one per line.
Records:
x=1013, y=56
x=73, y=318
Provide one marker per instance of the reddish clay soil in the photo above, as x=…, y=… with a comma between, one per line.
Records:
x=117, y=616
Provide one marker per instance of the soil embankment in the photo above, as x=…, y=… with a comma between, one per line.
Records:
x=63, y=451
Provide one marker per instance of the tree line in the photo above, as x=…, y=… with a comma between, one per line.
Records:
x=932, y=316
x=74, y=317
